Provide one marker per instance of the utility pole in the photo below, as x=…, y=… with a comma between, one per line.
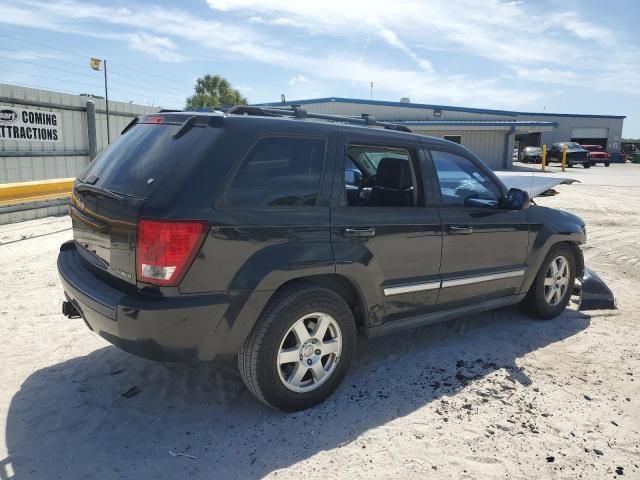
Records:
x=106, y=101
x=96, y=64
x=371, y=96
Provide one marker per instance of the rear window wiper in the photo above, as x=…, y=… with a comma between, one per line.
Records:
x=83, y=187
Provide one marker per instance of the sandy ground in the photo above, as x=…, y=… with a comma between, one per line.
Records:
x=494, y=396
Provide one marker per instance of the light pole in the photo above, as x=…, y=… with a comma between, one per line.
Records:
x=95, y=63
x=106, y=101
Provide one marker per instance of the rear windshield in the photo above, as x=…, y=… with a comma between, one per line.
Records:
x=139, y=159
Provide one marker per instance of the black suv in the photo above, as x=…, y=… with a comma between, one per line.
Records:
x=276, y=236
x=575, y=154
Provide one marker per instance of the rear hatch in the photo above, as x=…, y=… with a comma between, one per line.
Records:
x=109, y=196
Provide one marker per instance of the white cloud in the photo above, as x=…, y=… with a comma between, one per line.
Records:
x=298, y=79
x=547, y=75
x=501, y=31
x=570, y=22
x=163, y=48
x=509, y=37
x=243, y=88
x=33, y=55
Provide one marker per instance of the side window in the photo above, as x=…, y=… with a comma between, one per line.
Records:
x=462, y=183
x=278, y=171
x=381, y=177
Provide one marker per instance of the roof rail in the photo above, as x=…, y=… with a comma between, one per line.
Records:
x=297, y=111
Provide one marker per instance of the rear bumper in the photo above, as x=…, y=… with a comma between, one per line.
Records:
x=182, y=328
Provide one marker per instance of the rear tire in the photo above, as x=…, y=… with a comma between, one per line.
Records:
x=315, y=329
x=606, y=164
x=586, y=165
x=551, y=290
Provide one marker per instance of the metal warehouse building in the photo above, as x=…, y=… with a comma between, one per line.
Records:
x=491, y=134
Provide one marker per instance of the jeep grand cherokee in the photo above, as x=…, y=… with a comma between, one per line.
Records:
x=275, y=236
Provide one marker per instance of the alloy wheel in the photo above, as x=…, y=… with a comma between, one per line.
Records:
x=309, y=352
x=556, y=280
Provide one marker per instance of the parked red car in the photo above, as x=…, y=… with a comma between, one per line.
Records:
x=597, y=154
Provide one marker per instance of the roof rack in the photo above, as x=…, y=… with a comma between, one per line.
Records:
x=297, y=111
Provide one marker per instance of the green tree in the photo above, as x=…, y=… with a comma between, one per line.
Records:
x=214, y=91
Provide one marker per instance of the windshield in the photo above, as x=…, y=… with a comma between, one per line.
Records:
x=571, y=145
x=138, y=160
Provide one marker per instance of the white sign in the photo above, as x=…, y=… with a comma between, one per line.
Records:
x=24, y=125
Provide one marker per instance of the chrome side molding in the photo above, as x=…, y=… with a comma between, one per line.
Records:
x=455, y=282
x=414, y=287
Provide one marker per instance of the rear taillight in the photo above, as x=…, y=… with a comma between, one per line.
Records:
x=166, y=248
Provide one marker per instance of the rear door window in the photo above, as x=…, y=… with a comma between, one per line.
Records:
x=278, y=172
x=377, y=176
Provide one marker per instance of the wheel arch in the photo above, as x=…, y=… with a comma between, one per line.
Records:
x=340, y=284
x=573, y=244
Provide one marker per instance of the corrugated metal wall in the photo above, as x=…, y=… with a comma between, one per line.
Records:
x=487, y=144
x=73, y=122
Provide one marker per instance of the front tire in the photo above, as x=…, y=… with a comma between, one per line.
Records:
x=552, y=287
x=586, y=165
x=299, y=350
x=606, y=164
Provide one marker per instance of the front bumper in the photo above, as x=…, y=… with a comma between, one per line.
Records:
x=182, y=328
x=577, y=159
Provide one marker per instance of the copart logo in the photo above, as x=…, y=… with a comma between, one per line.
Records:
x=8, y=116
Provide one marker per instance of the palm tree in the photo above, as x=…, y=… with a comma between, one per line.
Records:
x=214, y=91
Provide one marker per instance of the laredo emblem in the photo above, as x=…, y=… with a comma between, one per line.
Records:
x=8, y=116
x=123, y=274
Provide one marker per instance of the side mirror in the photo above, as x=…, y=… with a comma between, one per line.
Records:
x=352, y=177
x=517, y=199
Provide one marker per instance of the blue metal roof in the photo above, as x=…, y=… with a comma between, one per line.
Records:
x=579, y=115
x=477, y=123
x=426, y=105
x=387, y=104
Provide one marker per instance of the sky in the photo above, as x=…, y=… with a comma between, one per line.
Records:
x=562, y=56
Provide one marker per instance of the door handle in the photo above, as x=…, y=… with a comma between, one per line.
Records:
x=460, y=229
x=359, y=232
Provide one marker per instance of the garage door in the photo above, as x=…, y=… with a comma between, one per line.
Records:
x=589, y=133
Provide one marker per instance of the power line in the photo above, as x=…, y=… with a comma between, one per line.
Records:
x=44, y=57
x=46, y=66
x=164, y=90
x=88, y=56
x=92, y=77
x=96, y=88
x=153, y=75
x=51, y=78
x=43, y=87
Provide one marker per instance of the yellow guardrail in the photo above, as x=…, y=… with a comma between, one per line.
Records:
x=27, y=192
